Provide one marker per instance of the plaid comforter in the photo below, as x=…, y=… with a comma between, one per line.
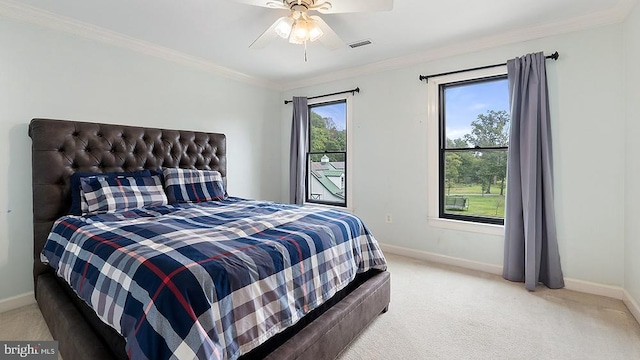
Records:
x=210, y=280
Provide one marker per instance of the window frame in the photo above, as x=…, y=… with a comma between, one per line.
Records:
x=435, y=155
x=348, y=174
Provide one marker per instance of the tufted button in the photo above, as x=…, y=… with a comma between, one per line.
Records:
x=101, y=165
x=75, y=134
x=61, y=149
x=99, y=134
x=112, y=150
x=87, y=149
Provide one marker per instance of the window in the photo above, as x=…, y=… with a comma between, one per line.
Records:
x=328, y=160
x=469, y=112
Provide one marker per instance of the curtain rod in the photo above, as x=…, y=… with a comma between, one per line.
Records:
x=352, y=91
x=553, y=56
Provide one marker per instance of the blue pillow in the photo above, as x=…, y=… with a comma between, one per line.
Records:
x=187, y=185
x=111, y=194
x=76, y=198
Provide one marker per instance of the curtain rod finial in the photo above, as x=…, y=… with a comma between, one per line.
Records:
x=555, y=56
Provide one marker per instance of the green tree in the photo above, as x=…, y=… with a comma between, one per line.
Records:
x=325, y=136
x=467, y=171
x=490, y=130
x=458, y=143
x=452, y=166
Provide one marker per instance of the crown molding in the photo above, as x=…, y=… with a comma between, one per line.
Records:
x=614, y=15
x=25, y=13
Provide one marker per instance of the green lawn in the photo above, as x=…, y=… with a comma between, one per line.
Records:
x=487, y=205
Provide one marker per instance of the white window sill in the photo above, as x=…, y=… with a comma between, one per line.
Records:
x=489, y=229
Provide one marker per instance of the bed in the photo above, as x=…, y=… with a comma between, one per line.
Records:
x=62, y=148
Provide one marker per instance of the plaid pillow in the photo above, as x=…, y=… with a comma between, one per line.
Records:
x=107, y=195
x=78, y=204
x=186, y=185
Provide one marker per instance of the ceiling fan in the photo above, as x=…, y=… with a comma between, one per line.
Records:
x=300, y=27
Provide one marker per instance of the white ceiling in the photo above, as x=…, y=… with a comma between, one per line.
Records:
x=220, y=31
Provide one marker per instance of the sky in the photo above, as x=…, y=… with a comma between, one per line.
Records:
x=464, y=103
x=337, y=111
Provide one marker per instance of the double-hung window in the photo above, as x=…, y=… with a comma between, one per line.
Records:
x=327, y=180
x=469, y=139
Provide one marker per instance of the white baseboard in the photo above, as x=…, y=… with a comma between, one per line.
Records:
x=17, y=301
x=442, y=259
x=632, y=305
x=615, y=292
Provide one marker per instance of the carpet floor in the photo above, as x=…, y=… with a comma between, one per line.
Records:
x=444, y=312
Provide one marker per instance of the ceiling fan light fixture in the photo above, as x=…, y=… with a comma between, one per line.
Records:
x=300, y=32
x=305, y=29
x=284, y=27
x=315, y=32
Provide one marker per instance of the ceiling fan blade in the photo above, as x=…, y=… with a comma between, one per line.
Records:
x=274, y=4
x=267, y=36
x=329, y=37
x=348, y=6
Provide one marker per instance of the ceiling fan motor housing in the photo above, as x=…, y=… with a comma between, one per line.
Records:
x=307, y=4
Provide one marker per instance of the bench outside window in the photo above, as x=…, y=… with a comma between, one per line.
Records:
x=456, y=202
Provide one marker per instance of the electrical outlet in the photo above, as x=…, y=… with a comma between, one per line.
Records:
x=388, y=219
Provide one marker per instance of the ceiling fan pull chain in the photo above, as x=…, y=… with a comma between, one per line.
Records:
x=305, y=51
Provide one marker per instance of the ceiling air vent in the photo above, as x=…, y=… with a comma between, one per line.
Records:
x=360, y=43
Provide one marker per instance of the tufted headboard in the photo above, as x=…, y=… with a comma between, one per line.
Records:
x=62, y=147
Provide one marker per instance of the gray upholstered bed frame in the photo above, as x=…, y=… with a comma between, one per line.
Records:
x=62, y=147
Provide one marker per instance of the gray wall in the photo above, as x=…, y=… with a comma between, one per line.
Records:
x=632, y=155
x=51, y=74
x=588, y=118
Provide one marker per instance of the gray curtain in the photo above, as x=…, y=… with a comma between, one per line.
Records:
x=531, y=246
x=298, y=150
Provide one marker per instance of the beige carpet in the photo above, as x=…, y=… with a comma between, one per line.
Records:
x=442, y=312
